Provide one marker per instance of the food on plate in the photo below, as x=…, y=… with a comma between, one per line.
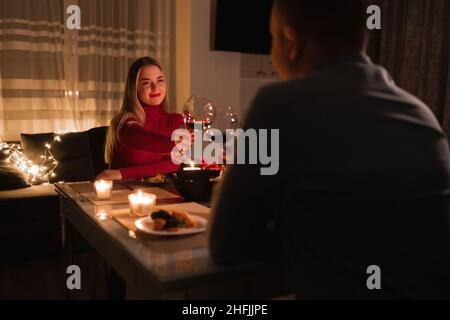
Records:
x=171, y=220
x=159, y=178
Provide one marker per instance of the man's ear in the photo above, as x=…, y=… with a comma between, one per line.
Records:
x=292, y=42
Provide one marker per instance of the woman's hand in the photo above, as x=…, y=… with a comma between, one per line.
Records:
x=110, y=175
x=182, y=145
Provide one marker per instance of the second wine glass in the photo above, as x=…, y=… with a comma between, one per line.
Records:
x=199, y=110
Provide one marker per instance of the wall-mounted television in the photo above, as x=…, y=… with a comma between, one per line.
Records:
x=241, y=26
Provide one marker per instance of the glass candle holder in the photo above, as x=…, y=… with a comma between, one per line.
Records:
x=141, y=204
x=103, y=189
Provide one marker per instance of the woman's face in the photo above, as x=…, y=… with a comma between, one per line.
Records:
x=151, y=86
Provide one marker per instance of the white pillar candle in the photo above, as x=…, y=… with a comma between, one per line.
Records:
x=141, y=204
x=103, y=189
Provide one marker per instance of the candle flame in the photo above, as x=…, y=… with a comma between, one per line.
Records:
x=132, y=234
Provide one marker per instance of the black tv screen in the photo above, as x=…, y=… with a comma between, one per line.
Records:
x=241, y=26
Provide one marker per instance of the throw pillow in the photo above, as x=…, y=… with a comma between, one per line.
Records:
x=72, y=153
x=11, y=177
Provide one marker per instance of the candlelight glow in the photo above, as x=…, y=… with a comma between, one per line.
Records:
x=191, y=167
x=141, y=204
x=103, y=189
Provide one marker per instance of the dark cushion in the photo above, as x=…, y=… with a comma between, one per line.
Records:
x=72, y=153
x=11, y=177
x=33, y=145
x=97, y=138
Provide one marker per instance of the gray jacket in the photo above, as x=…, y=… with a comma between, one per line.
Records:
x=364, y=179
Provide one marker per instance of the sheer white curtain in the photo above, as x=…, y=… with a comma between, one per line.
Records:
x=2, y=116
x=53, y=78
x=32, y=77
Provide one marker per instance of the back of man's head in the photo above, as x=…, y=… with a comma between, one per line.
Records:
x=327, y=23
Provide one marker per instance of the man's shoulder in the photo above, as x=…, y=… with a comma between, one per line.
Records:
x=285, y=92
x=272, y=102
x=288, y=88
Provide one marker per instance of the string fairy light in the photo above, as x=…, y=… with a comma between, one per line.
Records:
x=40, y=173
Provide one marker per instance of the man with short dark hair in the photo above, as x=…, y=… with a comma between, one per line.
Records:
x=364, y=178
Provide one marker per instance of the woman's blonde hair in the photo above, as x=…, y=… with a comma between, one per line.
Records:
x=131, y=106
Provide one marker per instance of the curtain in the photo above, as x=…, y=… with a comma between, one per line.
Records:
x=56, y=79
x=414, y=45
x=113, y=35
x=32, y=75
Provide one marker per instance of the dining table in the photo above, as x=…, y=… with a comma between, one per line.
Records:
x=154, y=266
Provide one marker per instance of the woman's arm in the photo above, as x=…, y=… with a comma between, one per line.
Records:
x=135, y=136
x=161, y=167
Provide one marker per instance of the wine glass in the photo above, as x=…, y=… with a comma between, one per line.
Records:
x=231, y=119
x=199, y=110
x=226, y=118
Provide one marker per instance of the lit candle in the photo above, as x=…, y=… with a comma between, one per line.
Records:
x=141, y=204
x=191, y=168
x=103, y=189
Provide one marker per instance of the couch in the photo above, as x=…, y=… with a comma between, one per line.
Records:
x=30, y=228
x=34, y=210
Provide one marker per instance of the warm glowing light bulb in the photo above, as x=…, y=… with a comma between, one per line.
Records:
x=34, y=170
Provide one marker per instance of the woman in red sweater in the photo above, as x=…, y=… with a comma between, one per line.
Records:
x=138, y=142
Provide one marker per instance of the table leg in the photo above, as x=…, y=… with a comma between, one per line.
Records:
x=67, y=231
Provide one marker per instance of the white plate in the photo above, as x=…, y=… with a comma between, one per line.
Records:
x=146, y=225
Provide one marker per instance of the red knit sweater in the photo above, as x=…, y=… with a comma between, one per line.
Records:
x=145, y=151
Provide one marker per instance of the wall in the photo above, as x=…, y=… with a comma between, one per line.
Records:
x=256, y=71
x=182, y=51
x=215, y=75
x=227, y=78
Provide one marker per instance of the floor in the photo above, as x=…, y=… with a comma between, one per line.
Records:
x=45, y=279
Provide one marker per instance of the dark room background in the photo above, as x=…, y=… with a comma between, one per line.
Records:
x=414, y=45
